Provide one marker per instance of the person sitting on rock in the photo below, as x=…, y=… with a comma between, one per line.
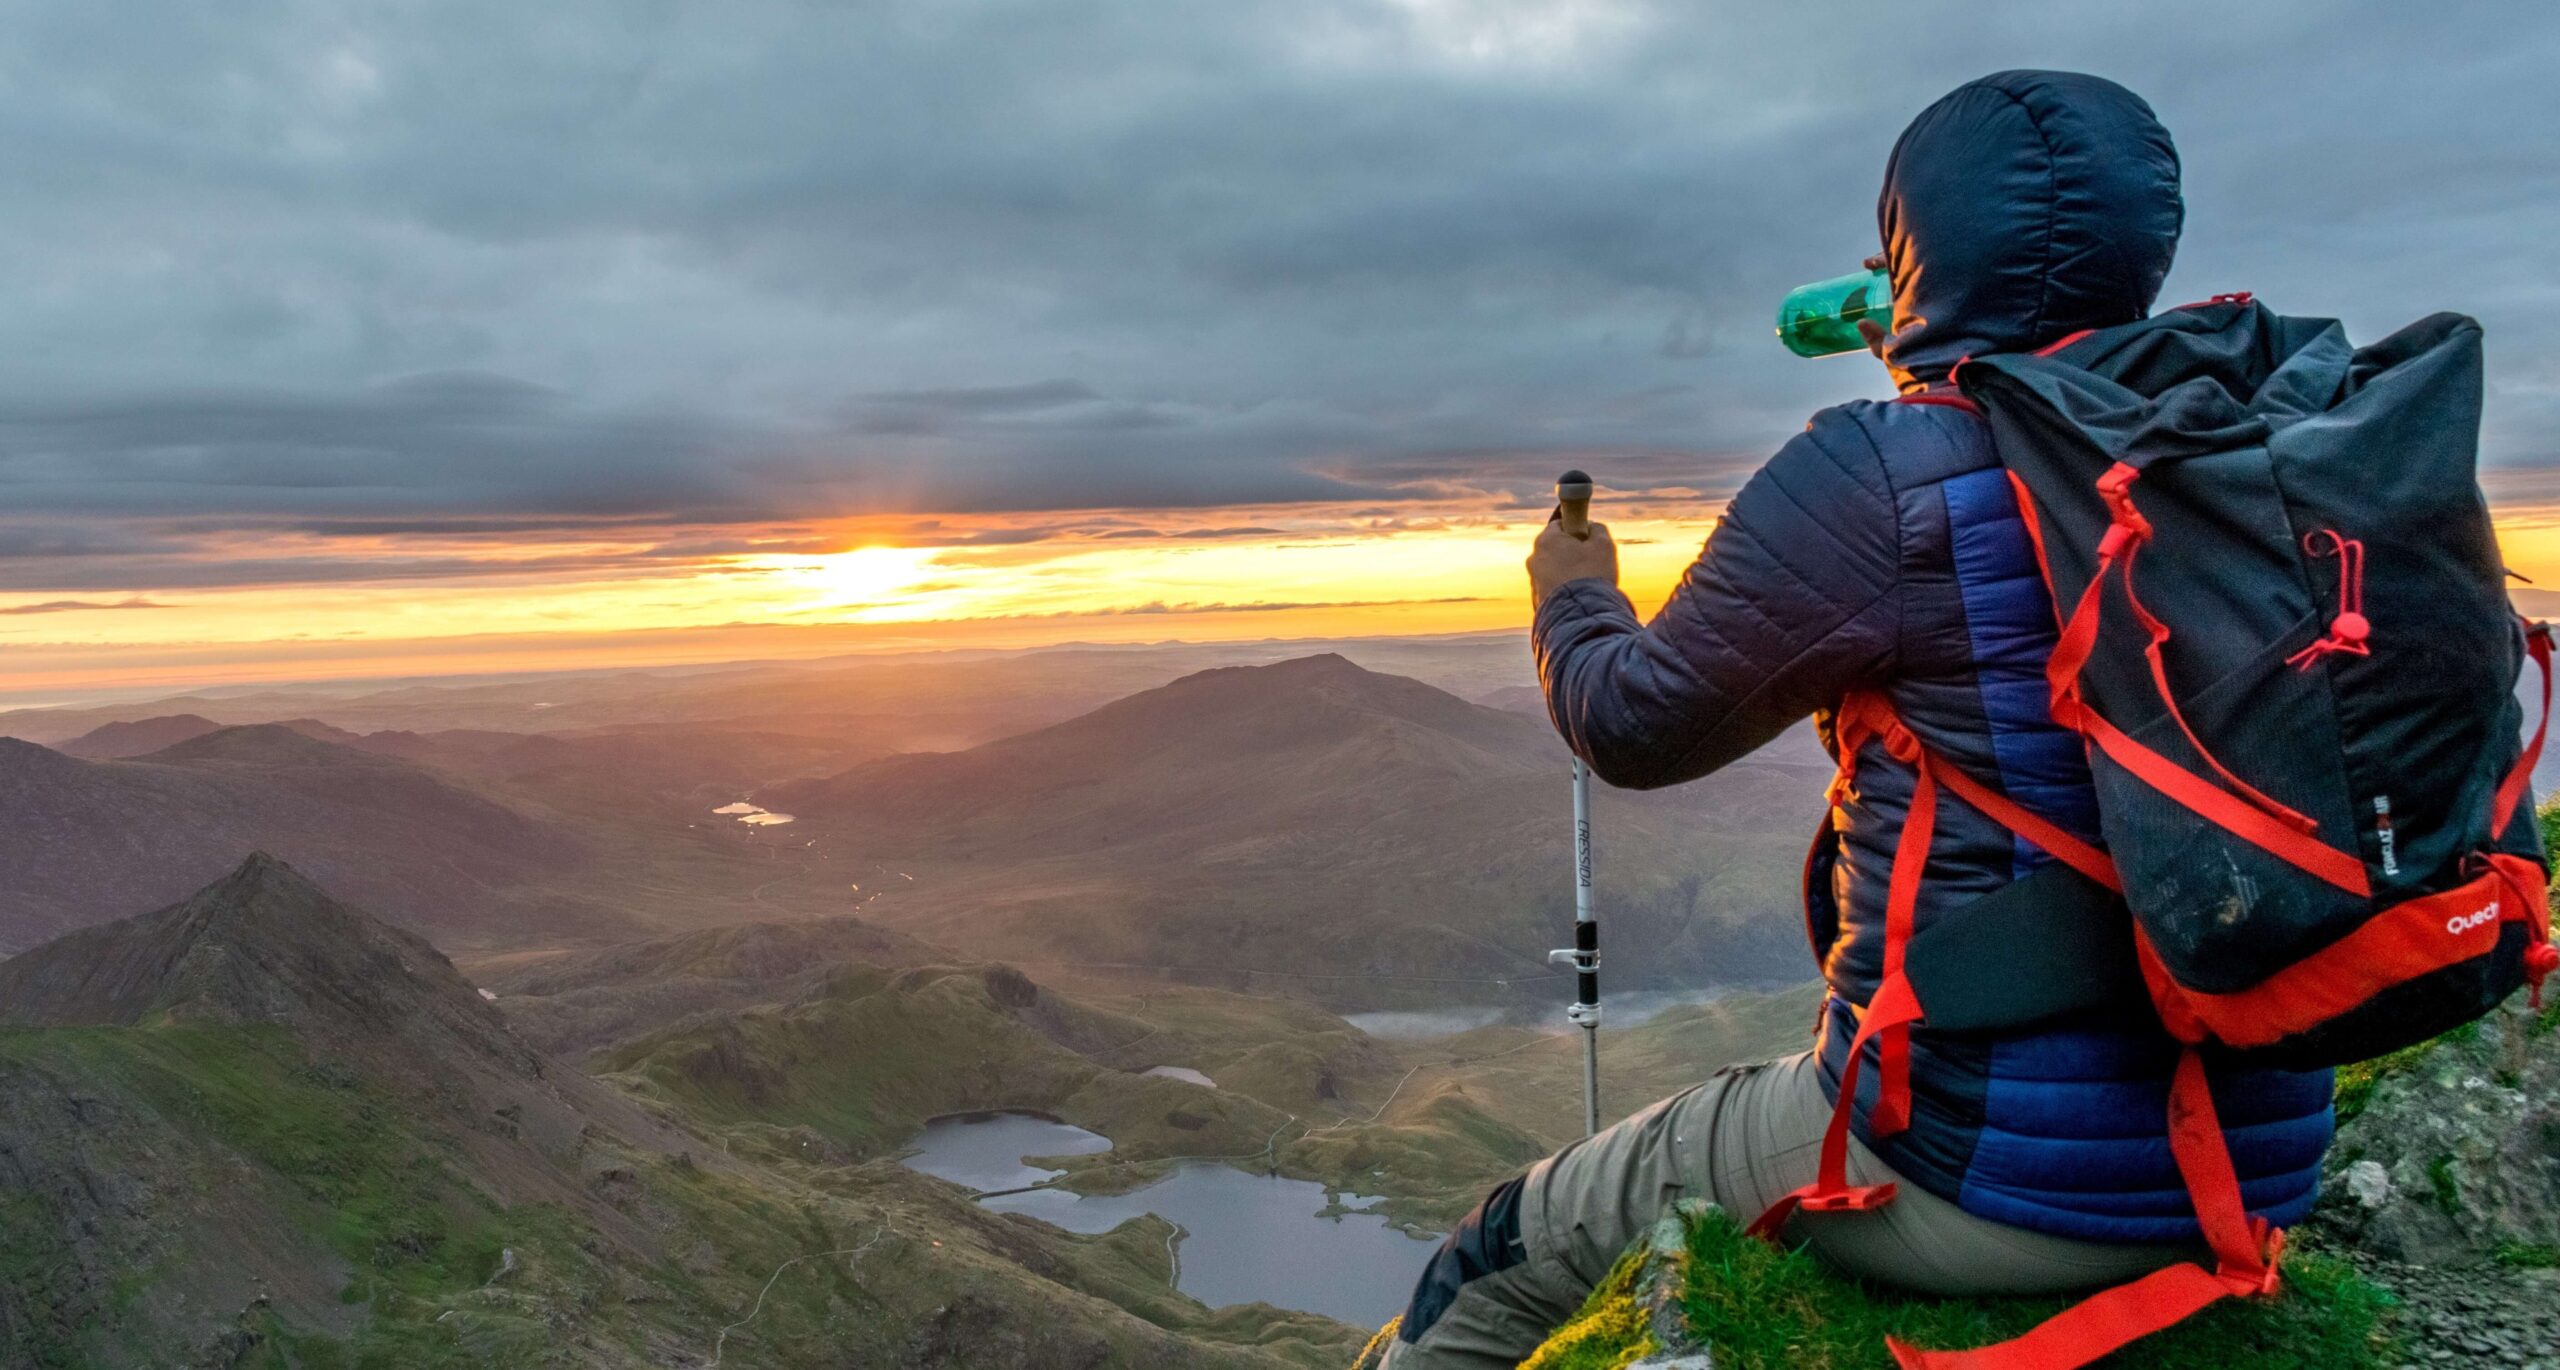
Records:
x=1883, y=549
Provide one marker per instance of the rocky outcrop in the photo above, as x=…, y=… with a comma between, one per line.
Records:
x=2451, y=1154
x=2445, y=1187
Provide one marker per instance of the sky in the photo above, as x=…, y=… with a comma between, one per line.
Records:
x=356, y=339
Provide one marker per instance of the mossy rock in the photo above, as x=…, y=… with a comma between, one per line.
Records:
x=1699, y=1292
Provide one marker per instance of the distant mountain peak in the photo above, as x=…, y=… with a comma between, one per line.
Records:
x=266, y=743
x=1329, y=672
x=111, y=741
x=263, y=944
x=1318, y=667
x=1319, y=664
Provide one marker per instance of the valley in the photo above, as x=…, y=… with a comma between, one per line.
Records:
x=679, y=1085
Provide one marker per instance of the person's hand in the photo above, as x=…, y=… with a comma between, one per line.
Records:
x=1869, y=329
x=1560, y=557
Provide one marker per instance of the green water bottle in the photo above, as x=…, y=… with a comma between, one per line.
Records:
x=1821, y=319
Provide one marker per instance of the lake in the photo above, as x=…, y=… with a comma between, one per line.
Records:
x=1245, y=1237
x=752, y=816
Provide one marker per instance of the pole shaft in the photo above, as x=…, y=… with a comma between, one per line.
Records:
x=1586, y=939
x=1573, y=511
x=1590, y=1079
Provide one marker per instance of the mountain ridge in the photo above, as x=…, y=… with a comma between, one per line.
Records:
x=85, y=840
x=263, y=944
x=261, y=1127
x=1311, y=815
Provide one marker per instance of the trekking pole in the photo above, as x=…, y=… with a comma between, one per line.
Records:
x=1573, y=508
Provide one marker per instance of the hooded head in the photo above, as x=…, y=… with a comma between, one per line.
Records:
x=2020, y=208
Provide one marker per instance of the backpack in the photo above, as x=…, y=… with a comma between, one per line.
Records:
x=2286, y=639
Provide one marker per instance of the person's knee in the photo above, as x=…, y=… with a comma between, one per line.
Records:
x=1485, y=1242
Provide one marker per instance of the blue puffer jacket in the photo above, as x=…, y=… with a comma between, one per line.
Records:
x=1883, y=548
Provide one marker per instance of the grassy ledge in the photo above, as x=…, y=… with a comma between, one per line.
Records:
x=1758, y=1307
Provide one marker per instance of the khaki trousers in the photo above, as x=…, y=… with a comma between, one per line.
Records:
x=1741, y=1140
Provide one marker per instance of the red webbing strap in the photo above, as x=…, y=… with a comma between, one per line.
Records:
x=2537, y=645
x=2086, y=1331
x=2159, y=632
x=1889, y=1016
x=2220, y=808
x=1892, y=1113
x=1862, y=717
x=2245, y=1251
x=1894, y=1006
x=2541, y=959
x=2281, y=836
x=2025, y=822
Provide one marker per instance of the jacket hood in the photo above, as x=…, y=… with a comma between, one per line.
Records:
x=2020, y=208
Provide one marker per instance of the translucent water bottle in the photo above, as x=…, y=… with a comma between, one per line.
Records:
x=1821, y=319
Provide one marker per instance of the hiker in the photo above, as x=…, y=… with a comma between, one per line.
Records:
x=1882, y=550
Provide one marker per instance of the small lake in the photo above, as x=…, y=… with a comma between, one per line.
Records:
x=752, y=816
x=1246, y=1238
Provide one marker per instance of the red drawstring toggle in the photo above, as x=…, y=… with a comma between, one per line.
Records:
x=2348, y=631
x=2540, y=960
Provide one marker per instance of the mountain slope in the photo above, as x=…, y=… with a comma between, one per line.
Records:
x=572, y=1002
x=262, y=944
x=86, y=840
x=1317, y=822
x=260, y=1127
x=113, y=741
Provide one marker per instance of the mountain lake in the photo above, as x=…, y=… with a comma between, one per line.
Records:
x=752, y=816
x=1245, y=1237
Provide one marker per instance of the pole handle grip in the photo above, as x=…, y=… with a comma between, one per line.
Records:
x=1573, y=504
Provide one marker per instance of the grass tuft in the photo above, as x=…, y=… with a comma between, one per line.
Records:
x=1760, y=1307
x=2448, y=1191
x=1611, y=1331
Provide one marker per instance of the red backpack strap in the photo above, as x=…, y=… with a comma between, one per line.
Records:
x=2541, y=958
x=1888, y=1017
x=1893, y=1007
x=2246, y=1253
x=2502, y=811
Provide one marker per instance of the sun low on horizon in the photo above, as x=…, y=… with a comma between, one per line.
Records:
x=1330, y=575
x=1313, y=573
x=363, y=347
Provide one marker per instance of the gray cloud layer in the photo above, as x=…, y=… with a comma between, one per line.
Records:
x=496, y=269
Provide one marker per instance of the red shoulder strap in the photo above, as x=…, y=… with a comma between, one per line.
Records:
x=2245, y=1251
x=1887, y=1018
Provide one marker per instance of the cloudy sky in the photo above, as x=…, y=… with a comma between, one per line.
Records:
x=369, y=337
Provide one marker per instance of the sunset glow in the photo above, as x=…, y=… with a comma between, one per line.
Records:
x=1299, y=572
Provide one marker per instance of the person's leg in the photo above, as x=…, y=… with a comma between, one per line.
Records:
x=1523, y=1263
x=1518, y=1267
x=1919, y=1242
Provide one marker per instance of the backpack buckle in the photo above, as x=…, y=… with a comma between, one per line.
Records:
x=2116, y=488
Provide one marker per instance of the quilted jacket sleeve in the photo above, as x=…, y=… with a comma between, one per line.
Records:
x=1794, y=600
